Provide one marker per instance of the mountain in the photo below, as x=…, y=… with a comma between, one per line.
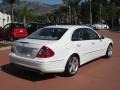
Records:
x=35, y=7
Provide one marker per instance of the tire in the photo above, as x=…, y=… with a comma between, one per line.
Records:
x=72, y=66
x=109, y=51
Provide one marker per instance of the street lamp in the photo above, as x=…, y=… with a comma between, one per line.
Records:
x=90, y=12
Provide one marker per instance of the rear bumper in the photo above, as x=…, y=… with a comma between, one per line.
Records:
x=34, y=64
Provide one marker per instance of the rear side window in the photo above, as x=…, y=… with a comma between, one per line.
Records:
x=91, y=35
x=48, y=34
x=7, y=26
x=31, y=26
x=78, y=35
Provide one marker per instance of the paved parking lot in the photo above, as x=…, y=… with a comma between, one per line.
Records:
x=100, y=74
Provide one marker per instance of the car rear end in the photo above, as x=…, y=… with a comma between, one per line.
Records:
x=39, y=57
x=19, y=31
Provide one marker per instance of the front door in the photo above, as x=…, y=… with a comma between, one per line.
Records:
x=96, y=43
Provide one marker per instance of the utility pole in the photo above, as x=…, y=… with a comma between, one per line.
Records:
x=12, y=13
x=90, y=12
x=70, y=14
x=100, y=12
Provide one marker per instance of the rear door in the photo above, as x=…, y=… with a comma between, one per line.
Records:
x=7, y=29
x=82, y=45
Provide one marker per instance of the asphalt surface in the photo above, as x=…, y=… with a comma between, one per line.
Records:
x=100, y=74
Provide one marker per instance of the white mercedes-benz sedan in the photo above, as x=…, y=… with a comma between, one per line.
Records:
x=60, y=48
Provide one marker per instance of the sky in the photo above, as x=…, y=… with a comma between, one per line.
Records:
x=47, y=1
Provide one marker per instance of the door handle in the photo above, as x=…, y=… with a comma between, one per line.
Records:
x=93, y=43
x=78, y=45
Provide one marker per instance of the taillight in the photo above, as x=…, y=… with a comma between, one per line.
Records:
x=12, y=49
x=45, y=52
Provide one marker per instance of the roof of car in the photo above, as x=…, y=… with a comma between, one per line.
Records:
x=67, y=26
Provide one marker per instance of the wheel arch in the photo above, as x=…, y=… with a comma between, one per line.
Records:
x=111, y=44
x=66, y=69
x=74, y=54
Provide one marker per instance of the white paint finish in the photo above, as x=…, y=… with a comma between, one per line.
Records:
x=63, y=49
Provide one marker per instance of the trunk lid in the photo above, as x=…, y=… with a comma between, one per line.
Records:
x=29, y=48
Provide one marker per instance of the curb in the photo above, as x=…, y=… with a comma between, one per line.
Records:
x=5, y=48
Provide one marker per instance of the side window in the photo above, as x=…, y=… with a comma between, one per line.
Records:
x=7, y=26
x=91, y=35
x=1, y=28
x=78, y=35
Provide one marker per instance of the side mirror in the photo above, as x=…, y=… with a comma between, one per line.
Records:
x=102, y=37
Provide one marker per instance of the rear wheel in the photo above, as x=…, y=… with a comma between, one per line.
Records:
x=72, y=66
x=109, y=51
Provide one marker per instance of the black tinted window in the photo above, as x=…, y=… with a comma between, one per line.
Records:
x=40, y=26
x=7, y=26
x=48, y=34
x=91, y=35
x=18, y=25
x=1, y=28
x=78, y=35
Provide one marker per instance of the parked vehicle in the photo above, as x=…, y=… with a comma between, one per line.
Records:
x=32, y=27
x=100, y=26
x=60, y=48
x=13, y=31
x=1, y=33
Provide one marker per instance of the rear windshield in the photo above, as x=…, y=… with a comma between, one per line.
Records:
x=48, y=34
x=41, y=26
x=19, y=25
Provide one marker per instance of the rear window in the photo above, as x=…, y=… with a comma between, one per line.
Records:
x=18, y=25
x=48, y=34
x=41, y=26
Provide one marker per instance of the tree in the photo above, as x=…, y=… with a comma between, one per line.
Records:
x=24, y=15
x=73, y=12
x=73, y=8
x=84, y=16
x=11, y=2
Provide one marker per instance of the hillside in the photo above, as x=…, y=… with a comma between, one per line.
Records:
x=37, y=8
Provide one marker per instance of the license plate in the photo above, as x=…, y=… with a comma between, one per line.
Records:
x=24, y=50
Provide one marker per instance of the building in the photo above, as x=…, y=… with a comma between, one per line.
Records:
x=4, y=19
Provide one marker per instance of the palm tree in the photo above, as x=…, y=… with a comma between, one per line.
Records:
x=11, y=2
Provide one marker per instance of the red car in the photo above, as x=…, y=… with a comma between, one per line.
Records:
x=13, y=31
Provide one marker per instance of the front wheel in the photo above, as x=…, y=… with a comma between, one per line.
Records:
x=72, y=66
x=109, y=51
